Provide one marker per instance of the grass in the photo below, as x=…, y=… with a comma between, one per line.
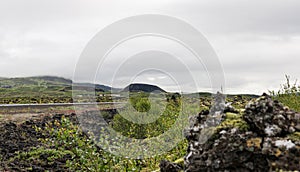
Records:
x=289, y=94
x=36, y=154
x=67, y=139
x=42, y=90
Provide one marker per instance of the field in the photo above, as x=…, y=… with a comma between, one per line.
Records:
x=51, y=138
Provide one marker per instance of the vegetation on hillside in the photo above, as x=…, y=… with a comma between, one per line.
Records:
x=65, y=140
x=47, y=89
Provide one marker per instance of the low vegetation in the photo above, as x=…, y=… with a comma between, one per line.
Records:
x=234, y=121
x=46, y=89
x=289, y=94
x=66, y=146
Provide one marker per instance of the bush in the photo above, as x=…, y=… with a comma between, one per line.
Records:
x=67, y=140
x=86, y=156
x=66, y=143
x=165, y=119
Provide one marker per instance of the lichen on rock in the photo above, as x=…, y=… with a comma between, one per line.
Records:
x=268, y=141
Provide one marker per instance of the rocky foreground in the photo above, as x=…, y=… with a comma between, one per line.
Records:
x=264, y=137
x=22, y=137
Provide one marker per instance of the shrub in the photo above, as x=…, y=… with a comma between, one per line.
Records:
x=86, y=156
x=66, y=139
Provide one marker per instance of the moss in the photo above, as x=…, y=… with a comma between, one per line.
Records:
x=295, y=136
x=233, y=116
x=35, y=154
x=233, y=121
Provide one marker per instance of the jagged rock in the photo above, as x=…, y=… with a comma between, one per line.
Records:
x=205, y=122
x=230, y=108
x=266, y=146
x=227, y=150
x=166, y=166
x=270, y=118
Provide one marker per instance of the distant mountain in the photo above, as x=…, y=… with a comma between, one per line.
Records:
x=45, y=89
x=207, y=94
x=51, y=82
x=97, y=87
x=138, y=87
x=52, y=79
x=37, y=80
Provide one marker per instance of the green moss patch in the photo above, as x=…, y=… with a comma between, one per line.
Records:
x=295, y=136
x=42, y=154
x=233, y=121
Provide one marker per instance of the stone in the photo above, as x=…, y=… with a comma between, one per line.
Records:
x=166, y=166
x=264, y=147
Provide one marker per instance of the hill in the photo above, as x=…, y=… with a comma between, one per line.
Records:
x=48, y=82
x=97, y=87
x=43, y=89
x=139, y=87
x=52, y=79
x=37, y=80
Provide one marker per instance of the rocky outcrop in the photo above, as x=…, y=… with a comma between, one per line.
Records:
x=270, y=143
x=270, y=118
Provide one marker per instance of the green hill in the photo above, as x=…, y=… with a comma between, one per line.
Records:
x=43, y=89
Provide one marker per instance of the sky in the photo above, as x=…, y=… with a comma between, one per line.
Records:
x=257, y=42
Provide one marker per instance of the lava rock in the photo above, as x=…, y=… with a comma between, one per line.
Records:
x=270, y=118
x=22, y=137
x=166, y=166
x=266, y=146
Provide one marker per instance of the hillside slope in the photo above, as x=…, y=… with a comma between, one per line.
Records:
x=139, y=87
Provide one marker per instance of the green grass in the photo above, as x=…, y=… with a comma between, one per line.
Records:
x=68, y=139
x=42, y=90
x=289, y=94
x=35, y=155
x=34, y=90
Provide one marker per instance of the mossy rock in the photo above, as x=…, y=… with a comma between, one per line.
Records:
x=295, y=136
x=233, y=121
x=230, y=115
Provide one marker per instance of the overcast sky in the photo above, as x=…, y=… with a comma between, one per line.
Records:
x=257, y=42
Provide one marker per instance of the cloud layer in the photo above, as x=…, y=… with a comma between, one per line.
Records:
x=257, y=41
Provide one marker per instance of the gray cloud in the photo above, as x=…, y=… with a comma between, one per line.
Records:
x=257, y=41
x=236, y=16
